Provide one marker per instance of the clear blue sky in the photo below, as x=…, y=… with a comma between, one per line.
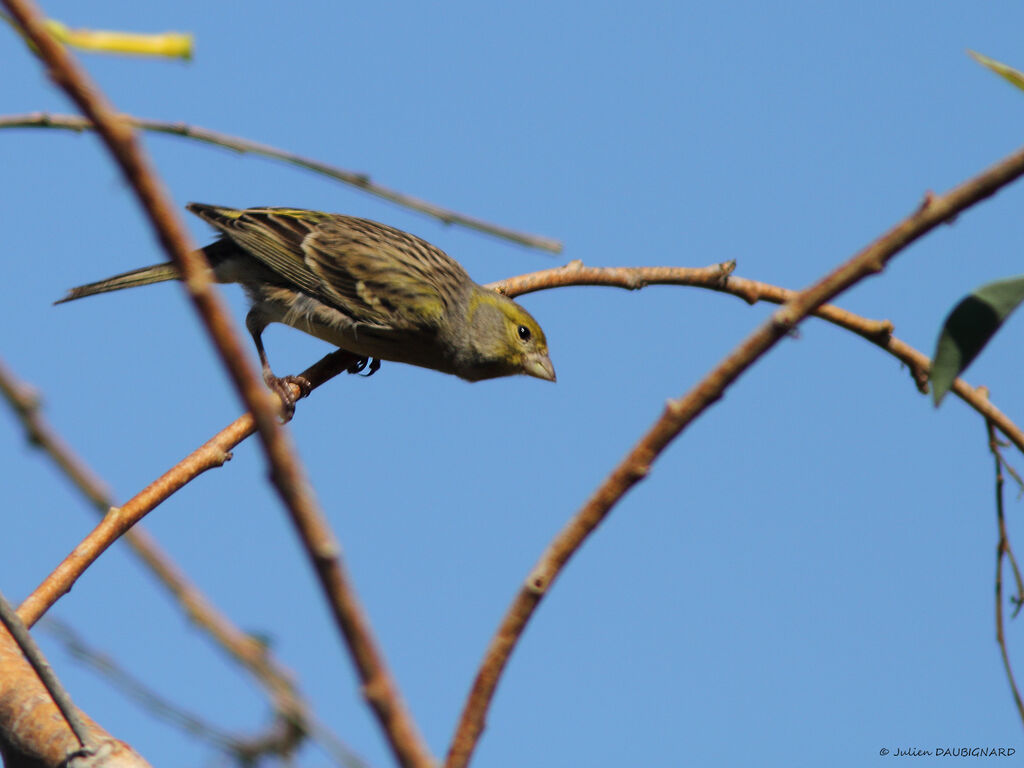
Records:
x=807, y=574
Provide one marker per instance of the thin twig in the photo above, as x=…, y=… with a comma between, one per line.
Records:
x=247, y=750
x=1018, y=579
x=237, y=144
x=680, y=413
x=25, y=403
x=1006, y=465
x=1002, y=548
x=157, y=705
x=34, y=655
x=286, y=473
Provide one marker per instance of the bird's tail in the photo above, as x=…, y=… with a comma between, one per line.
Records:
x=157, y=273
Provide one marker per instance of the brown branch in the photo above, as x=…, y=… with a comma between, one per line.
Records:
x=681, y=412
x=719, y=277
x=213, y=453
x=285, y=471
x=58, y=694
x=32, y=732
x=253, y=655
x=237, y=144
x=118, y=520
x=1003, y=548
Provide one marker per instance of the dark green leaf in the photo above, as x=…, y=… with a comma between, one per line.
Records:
x=969, y=327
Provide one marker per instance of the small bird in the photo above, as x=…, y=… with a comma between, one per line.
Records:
x=365, y=287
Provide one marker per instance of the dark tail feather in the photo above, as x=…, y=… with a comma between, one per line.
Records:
x=158, y=273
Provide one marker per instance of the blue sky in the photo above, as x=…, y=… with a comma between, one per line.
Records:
x=806, y=575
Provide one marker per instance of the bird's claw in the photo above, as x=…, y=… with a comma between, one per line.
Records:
x=361, y=363
x=282, y=387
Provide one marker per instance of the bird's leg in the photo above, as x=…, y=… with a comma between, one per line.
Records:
x=256, y=322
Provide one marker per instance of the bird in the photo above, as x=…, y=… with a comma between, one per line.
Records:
x=365, y=287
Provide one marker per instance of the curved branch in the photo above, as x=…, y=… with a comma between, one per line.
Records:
x=680, y=413
x=719, y=277
x=213, y=453
x=237, y=144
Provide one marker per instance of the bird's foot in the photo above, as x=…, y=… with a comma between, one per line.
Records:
x=282, y=387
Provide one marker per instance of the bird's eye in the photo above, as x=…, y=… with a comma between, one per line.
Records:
x=524, y=333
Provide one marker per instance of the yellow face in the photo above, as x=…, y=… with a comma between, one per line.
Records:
x=503, y=340
x=528, y=346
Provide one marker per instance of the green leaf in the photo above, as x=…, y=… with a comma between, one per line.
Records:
x=969, y=327
x=1013, y=75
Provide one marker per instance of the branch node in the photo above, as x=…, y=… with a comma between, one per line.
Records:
x=782, y=320
x=674, y=406
x=919, y=374
x=537, y=582
x=880, y=330
x=726, y=268
x=638, y=472
x=375, y=691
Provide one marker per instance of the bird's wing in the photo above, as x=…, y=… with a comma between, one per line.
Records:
x=272, y=236
x=345, y=262
x=388, y=277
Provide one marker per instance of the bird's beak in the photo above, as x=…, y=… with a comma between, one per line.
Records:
x=539, y=365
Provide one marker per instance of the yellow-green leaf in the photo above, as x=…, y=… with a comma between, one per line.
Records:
x=1015, y=76
x=169, y=44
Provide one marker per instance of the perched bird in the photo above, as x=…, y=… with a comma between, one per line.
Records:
x=368, y=288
